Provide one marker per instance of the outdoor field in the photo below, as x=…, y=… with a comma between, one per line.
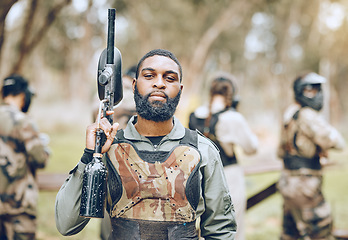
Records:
x=57, y=45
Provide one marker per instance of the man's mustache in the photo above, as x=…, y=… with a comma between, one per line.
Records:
x=157, y=93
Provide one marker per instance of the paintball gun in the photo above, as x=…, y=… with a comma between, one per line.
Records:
x=109, y=81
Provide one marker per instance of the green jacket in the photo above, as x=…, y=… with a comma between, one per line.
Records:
x=215, y=209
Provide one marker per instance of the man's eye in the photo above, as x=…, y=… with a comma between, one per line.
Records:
x=148, y=76
x=169, y=78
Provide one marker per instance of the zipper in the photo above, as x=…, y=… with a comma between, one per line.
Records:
x=156, y=146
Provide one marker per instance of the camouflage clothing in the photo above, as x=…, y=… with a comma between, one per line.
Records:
x=305, y=211
x=21, y=153
x=17, y=227
x=214, y=208
x=305, y=137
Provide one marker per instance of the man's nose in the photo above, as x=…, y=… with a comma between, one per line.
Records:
x=159, y=82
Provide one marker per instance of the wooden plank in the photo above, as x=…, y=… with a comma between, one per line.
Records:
x=263, y=168
x=51, y=181
x=340, y=234
x=262, y=195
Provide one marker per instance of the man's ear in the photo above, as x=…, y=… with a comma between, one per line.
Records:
x=20, y=100
x=181, y=86
x=133, y=83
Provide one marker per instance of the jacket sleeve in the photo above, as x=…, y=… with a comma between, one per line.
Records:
x=218, y=217
x=321, y=132
x=67, y=207
x=232, y=128
x=35, y=147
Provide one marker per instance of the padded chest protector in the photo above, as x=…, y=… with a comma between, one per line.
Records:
x=297, y=156
x=154, y=185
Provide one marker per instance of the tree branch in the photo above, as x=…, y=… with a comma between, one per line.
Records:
x=28, y=46
x=213, y=32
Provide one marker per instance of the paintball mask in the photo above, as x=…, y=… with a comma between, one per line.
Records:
x=303, y=85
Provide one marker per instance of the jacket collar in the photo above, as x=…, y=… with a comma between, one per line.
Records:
x=130, y=132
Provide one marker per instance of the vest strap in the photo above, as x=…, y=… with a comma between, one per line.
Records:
x=297, y=162
x=200, y=125
x=124, y=229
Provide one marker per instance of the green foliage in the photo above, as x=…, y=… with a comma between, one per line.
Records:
x=67, y=54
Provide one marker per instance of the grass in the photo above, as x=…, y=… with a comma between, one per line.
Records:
x=46, y=223
x=263, y=221
x=67, y=146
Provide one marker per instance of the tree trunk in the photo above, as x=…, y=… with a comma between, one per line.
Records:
x=5, y=6
x=194, y=70
x=201, y=52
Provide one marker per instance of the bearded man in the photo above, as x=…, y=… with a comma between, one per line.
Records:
x=162, y=177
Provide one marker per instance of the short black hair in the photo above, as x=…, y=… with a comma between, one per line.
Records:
x=14, y=85
x=159, y=52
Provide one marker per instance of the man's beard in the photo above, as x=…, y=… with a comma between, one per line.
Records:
x=156, y=111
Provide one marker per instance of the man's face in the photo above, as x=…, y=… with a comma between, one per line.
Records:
x=311, y=90
x=157, y=89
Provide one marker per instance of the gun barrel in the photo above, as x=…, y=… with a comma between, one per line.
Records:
x=111, y=36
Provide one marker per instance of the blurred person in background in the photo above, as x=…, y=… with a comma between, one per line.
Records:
x=305, y=140
x=227, y=128
x=23, y=149
x=170, y=177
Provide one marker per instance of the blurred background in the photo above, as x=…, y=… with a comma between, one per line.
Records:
x=264, y=43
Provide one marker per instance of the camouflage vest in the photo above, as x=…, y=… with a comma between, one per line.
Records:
x=294, y=159
x=154, y=185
